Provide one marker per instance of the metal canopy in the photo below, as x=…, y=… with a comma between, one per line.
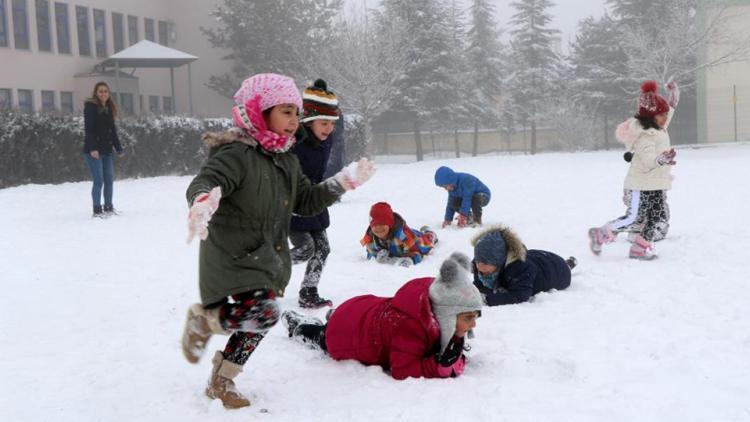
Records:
x=148, y=54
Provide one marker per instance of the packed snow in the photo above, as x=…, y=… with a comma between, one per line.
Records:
x=93, y=310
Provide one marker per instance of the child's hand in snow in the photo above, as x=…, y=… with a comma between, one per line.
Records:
x=447, y=223
x=200, y=213
x=462, y=220
x=382, y=256
x=404, y=262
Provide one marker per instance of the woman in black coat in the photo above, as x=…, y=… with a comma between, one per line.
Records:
x=313, y=149
x=505, y=272
x=101, y=139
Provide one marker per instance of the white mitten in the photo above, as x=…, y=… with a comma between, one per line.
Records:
x=355, y=174
x=382, y=256
x=200, y=213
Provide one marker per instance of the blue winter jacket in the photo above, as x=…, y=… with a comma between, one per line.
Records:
x=526, y=273
x=465, y=186
x=313, y=158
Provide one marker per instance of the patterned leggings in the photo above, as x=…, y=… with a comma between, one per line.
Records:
x=654, y=212
x=249, y=318
x=639, y=206
x=313, y=248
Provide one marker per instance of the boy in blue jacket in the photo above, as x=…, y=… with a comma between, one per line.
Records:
x=466, y=195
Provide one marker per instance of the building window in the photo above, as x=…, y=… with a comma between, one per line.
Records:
x=82, y=20
x=163, y=33
x=66, y=101
x=125, y=101
x=43, y=28
x=117, y=31
x=100, y=33
x=153, y=103
x=148, y=24
x=48, y=100
x=25, y=100
x=63, y=33
x=3, y=25
x=132, y=29
x=167, y=105
x=20, y=24
x=6, y=99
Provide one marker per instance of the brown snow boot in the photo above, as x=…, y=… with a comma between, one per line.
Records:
x=220, y=385
x=200, y=325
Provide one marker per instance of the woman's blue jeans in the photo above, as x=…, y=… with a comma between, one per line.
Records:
x=102, y=171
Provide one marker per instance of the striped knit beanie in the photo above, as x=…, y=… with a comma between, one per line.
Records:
x=318, y=103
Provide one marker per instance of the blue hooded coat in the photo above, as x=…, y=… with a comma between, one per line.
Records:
x=465, y=186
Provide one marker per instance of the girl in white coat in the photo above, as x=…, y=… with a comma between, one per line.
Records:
x=649, y=175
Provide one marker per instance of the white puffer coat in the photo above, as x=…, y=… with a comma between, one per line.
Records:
x=645, y=173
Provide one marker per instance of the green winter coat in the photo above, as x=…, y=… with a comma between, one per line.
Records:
x=247, y=246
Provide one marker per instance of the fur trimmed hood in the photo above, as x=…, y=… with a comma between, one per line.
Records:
x=630, y=130
x=516, y=251
x=235, y=134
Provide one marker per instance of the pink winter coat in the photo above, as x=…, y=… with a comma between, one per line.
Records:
x=398, y=333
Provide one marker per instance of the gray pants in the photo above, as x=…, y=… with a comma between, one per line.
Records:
x=313, y=248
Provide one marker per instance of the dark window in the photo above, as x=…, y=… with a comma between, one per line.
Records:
x=153, y=103
x=148, y=24
x=43, y=28
x=82, y=20
x=132, y=29
x=3, y=25
x=66, y=101
x=117, y=31
x=25, y=100
x=6, y=99
x=163, y=33
x=125, y=101
x=48, y=100
x=63, y=33
x=100, y=33
x=21, y=24
x=167, y=105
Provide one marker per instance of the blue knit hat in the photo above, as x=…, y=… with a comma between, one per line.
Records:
x=445, y=176
x=491, y=249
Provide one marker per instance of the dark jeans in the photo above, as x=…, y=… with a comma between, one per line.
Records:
x=102, y=171
x=478, y=201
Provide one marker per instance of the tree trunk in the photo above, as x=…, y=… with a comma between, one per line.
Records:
x=418, y=141
x=455, y=143
x=432, y=141
x=533, y=137
x=606, y=132
x=386, y=146
x=475, y=144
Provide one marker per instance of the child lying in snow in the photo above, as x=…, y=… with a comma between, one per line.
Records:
x=419, y=332
x=389, y=240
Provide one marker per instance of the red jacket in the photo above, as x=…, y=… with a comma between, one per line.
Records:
x=398, y=333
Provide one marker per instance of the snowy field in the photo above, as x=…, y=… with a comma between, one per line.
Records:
x=92, y=310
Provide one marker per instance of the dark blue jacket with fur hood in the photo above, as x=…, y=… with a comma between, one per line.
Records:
x=526, y=272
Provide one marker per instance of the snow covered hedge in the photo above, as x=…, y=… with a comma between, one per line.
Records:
x=47, y=148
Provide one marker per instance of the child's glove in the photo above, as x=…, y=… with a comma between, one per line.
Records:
x=462, y=220
x=673, y=93
x=355, y=174
x=447, y=223
x=382, y=256
x=404, y=262
x=452, y=362
x=200, y=213
x=666, y=158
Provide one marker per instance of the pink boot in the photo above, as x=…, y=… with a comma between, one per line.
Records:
x=642, y=249
x=598, y=236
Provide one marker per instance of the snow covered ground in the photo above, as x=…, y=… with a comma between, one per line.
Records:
x=92, y=310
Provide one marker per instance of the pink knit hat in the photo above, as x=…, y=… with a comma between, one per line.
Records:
x=257, y=94
x=273, y=90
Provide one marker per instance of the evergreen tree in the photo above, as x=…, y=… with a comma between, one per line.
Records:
x=485, y=62
x=277, y=36
x=536, y=65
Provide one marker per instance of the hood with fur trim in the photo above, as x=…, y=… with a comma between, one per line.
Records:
x=515, y=249
x=235, y=134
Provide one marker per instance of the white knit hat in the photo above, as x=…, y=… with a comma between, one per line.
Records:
x=453, y=293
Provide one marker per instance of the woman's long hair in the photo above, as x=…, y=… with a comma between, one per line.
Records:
x=110, y=105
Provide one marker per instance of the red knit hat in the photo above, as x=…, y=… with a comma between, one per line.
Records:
x=381, y=213
x=650, y=103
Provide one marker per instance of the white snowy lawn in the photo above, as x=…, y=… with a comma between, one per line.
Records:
x=92, y=310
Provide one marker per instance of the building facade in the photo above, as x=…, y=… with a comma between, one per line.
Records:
x=51, y=50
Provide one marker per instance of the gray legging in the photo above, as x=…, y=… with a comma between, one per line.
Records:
x=311, y=247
